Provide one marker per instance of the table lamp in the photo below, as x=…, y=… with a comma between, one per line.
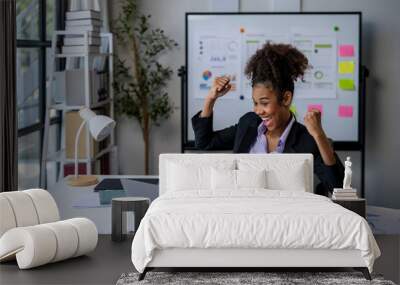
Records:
x=99, y=127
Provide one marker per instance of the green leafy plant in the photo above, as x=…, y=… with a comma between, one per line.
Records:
x=140, y=88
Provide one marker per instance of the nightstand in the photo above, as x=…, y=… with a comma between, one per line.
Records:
x=356, y=205
x=138, y=205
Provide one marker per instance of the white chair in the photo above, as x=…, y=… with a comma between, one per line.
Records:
x=32, y=233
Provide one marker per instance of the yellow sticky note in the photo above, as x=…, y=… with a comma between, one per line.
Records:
x=346, y=84
x=346, y=67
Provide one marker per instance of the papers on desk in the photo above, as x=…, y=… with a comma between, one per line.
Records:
x=109, y=184
x=140, y=189
x=88, y=201
x=91, y=199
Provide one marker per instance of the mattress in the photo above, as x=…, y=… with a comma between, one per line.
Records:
x=250, y=219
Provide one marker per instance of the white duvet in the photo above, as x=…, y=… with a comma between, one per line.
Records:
x=250, y=219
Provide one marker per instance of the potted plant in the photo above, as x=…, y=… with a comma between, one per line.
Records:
x=140, y=89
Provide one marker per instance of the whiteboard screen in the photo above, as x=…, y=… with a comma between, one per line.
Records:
x=221, y=44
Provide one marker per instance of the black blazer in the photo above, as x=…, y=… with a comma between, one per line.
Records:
x=241, y=137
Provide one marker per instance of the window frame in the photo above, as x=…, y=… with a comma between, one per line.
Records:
x=42, y=44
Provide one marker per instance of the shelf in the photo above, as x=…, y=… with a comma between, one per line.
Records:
x=88, y=55
x=63, y=55
x=63, y=107
x=57, y=156
x=82, y=33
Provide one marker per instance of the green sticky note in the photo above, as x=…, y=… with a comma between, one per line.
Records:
x=346, y=67
x=346, y=84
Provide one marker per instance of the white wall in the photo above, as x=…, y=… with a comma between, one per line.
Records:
x=381, y=54
x=170, y=16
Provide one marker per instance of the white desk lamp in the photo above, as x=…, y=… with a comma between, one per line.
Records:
x=99, y=127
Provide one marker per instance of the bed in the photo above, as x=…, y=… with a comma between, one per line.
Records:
x=247, y=211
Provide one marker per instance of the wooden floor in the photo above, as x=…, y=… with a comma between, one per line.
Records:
x=111, y=259
x=103, y=266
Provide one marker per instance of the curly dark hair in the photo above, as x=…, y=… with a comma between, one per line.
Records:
x=276, y=66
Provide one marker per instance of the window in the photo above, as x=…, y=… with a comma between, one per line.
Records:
x=27, y=19
x=36, y=21
x=50, y=18
x=29, y=160
x=27, y=86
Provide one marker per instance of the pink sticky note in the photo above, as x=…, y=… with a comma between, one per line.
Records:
x=346, y=50
x=345, y=111
x=314, y=106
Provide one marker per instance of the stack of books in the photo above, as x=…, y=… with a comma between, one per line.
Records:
x=344, y=194
x=80, y=22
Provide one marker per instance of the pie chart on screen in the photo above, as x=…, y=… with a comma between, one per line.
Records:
x=318, y=74
x=207, y=74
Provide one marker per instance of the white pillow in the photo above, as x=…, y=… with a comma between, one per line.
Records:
x=193, y=175
x=251, y=178
x=292, y=178
x=282, y=174
x=225, y=179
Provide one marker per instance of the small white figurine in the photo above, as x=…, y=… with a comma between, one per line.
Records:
x=347, y=174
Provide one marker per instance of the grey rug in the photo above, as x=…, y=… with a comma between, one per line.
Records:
x=229, y=278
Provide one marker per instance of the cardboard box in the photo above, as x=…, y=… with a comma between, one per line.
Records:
x=72, y=123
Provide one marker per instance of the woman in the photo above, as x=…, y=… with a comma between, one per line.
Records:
x=271, y=128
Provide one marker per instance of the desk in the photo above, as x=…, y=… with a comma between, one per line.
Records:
x=84, y=202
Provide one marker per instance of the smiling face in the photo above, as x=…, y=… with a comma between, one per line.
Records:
x=275, y=114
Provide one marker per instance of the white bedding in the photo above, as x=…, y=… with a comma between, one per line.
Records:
x=250, y=219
